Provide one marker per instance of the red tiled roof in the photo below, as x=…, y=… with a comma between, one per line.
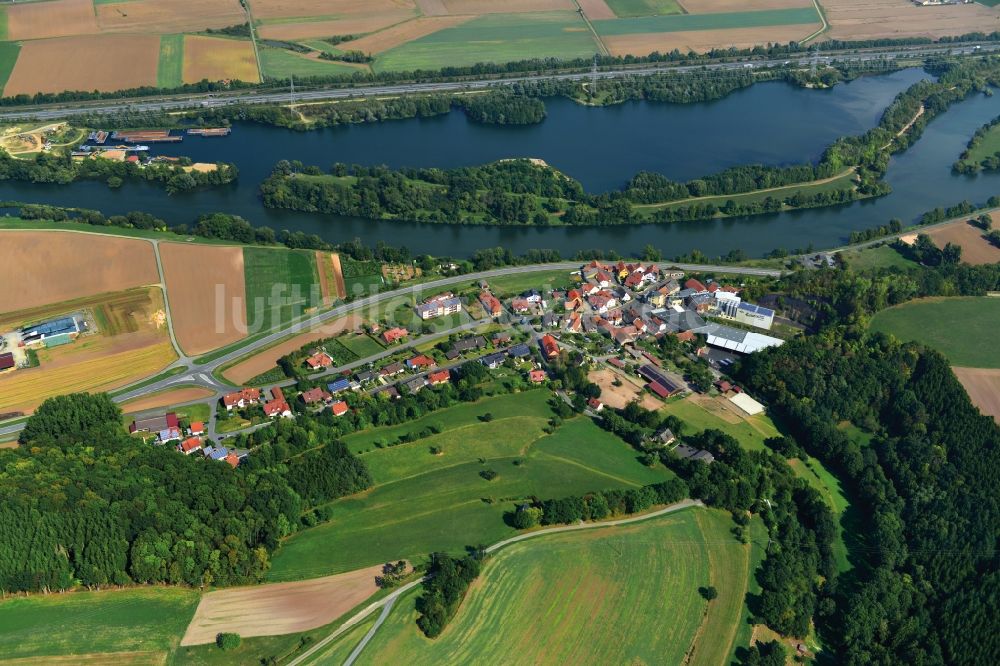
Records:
x=659, y=389
x=439, y=377
x=393, y=334
x=421, y=361
x=232, y=459
x=314, y=395
x=339, y=408
x=191, y=444
x=694, y=284
x=197, y=426
x=550, y=346
x=537, y=376
x=230, y=399
x=490, y=302
x=319, y=360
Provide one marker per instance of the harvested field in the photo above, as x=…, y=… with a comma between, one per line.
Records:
x=216, y=59
x=111, y=358
x=266, y=360
x=983, y=387
x=619, y=396
x=168, y=16
x=596, y=9
x=207, y=291
x=89, y=62
x=976, y=250
x=51, y=267
x=704, y=40
x=166, y=399
x=872, y=19
x=41, y=20
x=338, y=275
x=349, y=25
x=714, y=6
x=432, y=7
x=280, y=608
x=403, y=33
x=278, y=9
x=477, y=7
x=331, y=279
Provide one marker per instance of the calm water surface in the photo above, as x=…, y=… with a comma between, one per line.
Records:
x=770, y=123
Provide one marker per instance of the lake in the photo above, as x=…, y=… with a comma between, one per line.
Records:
x=771, y=123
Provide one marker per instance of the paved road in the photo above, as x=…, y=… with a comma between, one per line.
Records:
x=390, y=600
x=201, y=375
x=256, y=96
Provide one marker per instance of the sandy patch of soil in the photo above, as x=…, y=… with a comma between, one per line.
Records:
x=704, y=40
x=619, y=396
x=983, y=387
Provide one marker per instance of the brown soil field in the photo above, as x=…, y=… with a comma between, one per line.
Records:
x=596, y=9
x=869, y=19
x=983, y=387
x=975, y=249
x=268, y=9
x=168, y=16
x=216, y=59
x=704, y=40
x=88, y=62
x=338, y=276
x=432, y=7
x=96, y=362
x=267, y=359
x=279, y=608
x=166, y=399
x=61, y=18
x=718, y=6
x=619, y=396
x=479, y=7
x=403, y=33
x=350, y=25
x=207, y=288
x=54, y=266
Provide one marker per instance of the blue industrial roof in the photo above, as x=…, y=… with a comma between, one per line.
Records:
x=757, y=309
x=53, y=327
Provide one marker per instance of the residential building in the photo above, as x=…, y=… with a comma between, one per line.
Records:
x=519, y=351
x=550, y=348
x=439, y=306
x=340, y=408
x=169, y=434
x=339, y=385
x=392, y=369
x=664, y=437
x=439, y=377
x=190, y=445
x=278, y=406
x=696, y=285
x=464, y=345
x=537, y=376
x=388, y=391
x=391, y=335
x=414, y=385
x=421, y=362
x=319, y=360
x=240, y=399
x=314, y=395
x=197, y=428
x=595, y=404
x=494, y=360
x=490, y=303
x=154, y=423
x=532, y=296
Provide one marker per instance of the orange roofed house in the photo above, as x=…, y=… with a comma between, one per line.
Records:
x=550, y=347
x=319, y=360
x=240, y=399
x=393, y=334
x=339, y=408
x=439, y=377
x=278, y=405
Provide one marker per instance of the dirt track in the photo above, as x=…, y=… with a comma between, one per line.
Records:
x=51, y=267
x=279, y=608
x=207, y=290
x=983, y=387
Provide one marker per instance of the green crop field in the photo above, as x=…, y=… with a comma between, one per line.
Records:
x=294, y=275
x=883, y=256
x=170, y=71
x=959, y=328
x=281, y=63
x=3, y=23
x=617, y=595
x=8, y=55
x=511, y=285
x=495, y=38
x=721, y=21
x=423, y=502
x=630, y=8
x=751, y=432
x=133, y=620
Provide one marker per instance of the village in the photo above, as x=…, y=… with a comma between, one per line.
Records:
x=614, y=324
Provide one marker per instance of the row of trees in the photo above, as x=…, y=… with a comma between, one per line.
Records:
x=597, y=505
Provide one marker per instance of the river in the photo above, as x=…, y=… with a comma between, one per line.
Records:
x=771, y=123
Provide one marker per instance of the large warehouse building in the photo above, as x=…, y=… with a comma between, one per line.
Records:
x=51, y=333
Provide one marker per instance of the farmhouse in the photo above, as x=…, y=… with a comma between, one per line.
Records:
x=154, y=423
x=393, y=334
x=240, y=399
x=7, y=362
x=439, y=306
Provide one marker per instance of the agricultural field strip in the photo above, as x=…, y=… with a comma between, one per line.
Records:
x=360, y=615
x=686, y=22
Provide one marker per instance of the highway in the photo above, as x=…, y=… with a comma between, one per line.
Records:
x=195, y=374
x=257, y=96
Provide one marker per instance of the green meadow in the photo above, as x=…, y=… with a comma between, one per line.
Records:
x=751, y=432
x=426, y=500
x=614, y=595
x=630, y=8
x=132, y=620
x=170, y=71
x=8, y=53
x=280, y=64
x=956, y=327
x=495, y=38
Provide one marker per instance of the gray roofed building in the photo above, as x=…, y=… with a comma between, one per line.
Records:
x=366, y=376
x=737, y=340
x=494, y=360
x=550, y=319
x=415, y=384
x=468, y=344
x=682, y=321
x=691, y=453
x=519, y=351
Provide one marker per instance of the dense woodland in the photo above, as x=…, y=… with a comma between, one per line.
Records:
x=448, y=579
x=82, y=503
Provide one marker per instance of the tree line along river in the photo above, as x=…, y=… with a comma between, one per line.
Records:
x=769, y=123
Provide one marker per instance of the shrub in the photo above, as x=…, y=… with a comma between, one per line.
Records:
x=489, y=474
x=228, y=641
x=708, y=593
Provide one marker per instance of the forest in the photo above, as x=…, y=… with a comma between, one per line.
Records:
x=83, y=503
